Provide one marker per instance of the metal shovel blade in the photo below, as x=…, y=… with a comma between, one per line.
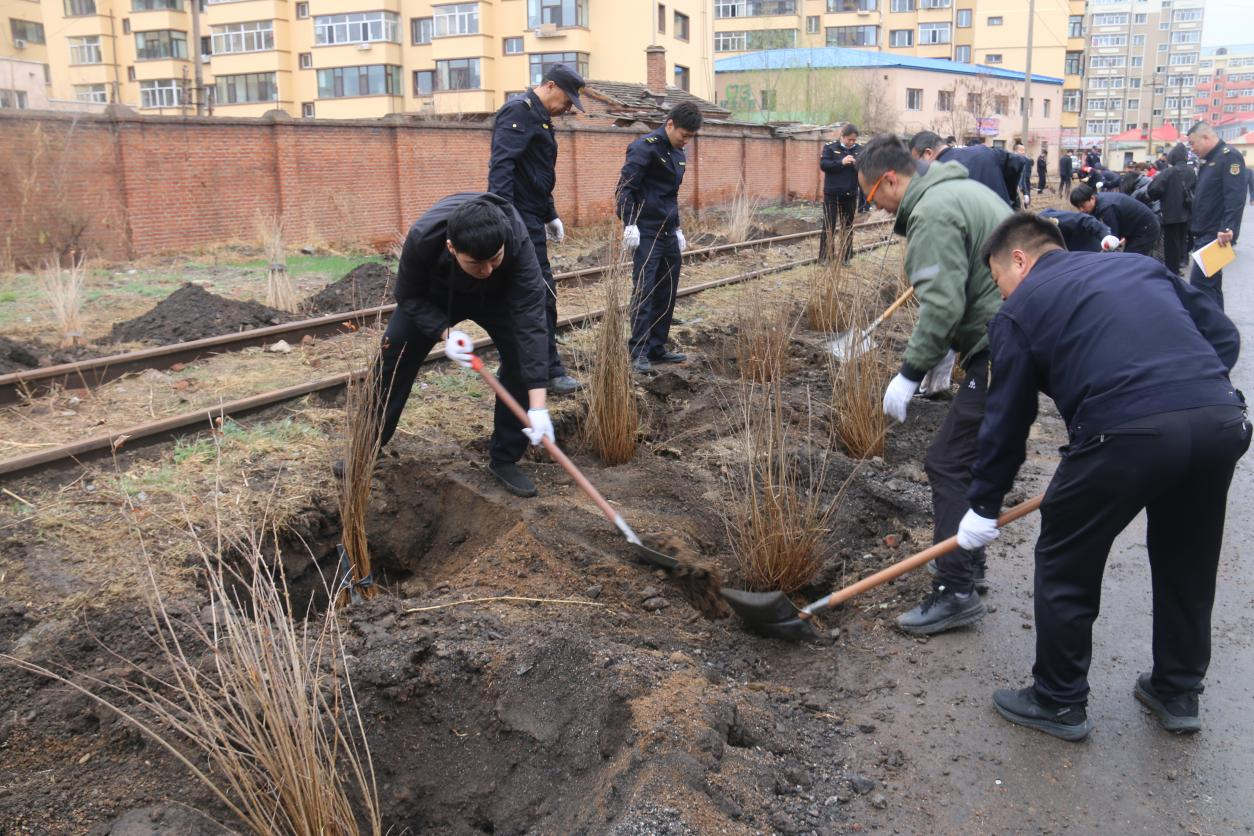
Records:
x=771, y=614
x=655, y=557
x=850, y=344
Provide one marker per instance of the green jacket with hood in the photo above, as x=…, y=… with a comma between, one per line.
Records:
x=946, y=217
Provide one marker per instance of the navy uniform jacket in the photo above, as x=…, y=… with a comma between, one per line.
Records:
x=1070, y=332
x=838, y=178
x=1064, y=167
x=990, y=166
x=1126, y=216
x=523, y=168
x=431, y=288
x=1092, y=159
x=1082, y=232
x=1219, y=197
x=648, y=188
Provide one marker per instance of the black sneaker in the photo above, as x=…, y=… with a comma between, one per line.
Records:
x=940, y=611
x=979, y=575
x=564, y=385
x=1027, y=708
x=668, y=357
x=1176, y=714
x=513, y=478
x=641, y=364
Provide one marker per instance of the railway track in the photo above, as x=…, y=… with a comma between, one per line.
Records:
x=210, y=417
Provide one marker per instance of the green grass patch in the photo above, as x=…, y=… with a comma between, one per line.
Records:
x=237, y=438
x=333, y=266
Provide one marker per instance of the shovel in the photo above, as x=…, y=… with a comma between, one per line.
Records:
x=773, y=615
x=850, y=344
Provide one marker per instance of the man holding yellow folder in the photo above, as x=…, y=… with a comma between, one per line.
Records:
x=1218, y=202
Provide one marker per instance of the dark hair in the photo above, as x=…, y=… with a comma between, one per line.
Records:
x=1022, y=231
x=1081, y=193
x=1199, y=127
x=924, y=140
x=1179, y=154
x=850, y=129
x=950, y=140
x=884, y=152
x=478, y=229
x=686, y=115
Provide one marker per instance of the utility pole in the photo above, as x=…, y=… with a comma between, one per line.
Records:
x=198, y=70
x=1027, y=76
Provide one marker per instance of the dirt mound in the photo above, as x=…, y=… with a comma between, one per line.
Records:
x=18, y=356
x=193, y=313
x=365, y=286
x=791, y=226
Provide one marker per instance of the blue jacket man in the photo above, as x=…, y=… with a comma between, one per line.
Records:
x=1127, y=217
x=648, y=205
x=1154, y=425
x=523, y=170
x=1218, y=201
x=991, y=166
x=1081, y=232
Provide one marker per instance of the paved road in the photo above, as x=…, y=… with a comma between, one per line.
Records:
x=971, y=772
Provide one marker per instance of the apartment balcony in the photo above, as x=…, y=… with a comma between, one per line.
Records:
x=351, y=55
x=463, y=46
x=465, y=101
x=144, y=21
x=217, y=14
x=161, y=68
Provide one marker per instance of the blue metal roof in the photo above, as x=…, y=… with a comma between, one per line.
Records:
x=833, y=57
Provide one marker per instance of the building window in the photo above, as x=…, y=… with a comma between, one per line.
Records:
x=901, y=37
x=306, y=60
x=1045, y=109
x=512, y=46
x=992, y=58
x=683, y=78
x=1138, y=40
x=1192, y=37
x=730, y=41
x=26, y=30
x=853, y=35
x=13, y=99
x=302, y=10
x=307, y=110
x=1134, y=104
x=963, y=19
x=1075, y=26
x=934, y=33
x=156, y=5
x=1164, y=25
x=424, y=83
x=1181, y=58
x=161, y=43
x=935, y=4
x=96, y=93
x=755, y=39
x=995, y=21
x=1186, y=15
x=661, y=18
x=962, y=54
x=165, y=92
x=812, y=24
x=1071, y=101
x=257, y=36
x=130, y=73
x=945, y=101
x=458, y=74
x=1138, y=61
x=901, y=6
x=1001, y=105
x=86, y=50
x=681, y=26
x=1140, y=19
x=542, y=62
x=356, y=28
x=753, y=8
x=365, y=80
x=1117, y=19
x=457, y=19
x=557, y=13
x=769, y=100
x=1110, y=40
x=851, y=5
x=79, y=8
x=1105, y=62
x=1073, y=64
x=249, y=87
x=914, y=98
x=420, y=29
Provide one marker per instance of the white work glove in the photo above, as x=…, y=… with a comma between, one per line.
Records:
x=976, y=532
x=555, y=231
x=941, y=375
x=1110, y=243
x=1027, y=199
x=683, y=242
x=631, y=237
x=541, y=427
x=897, y=397
x=459, y=348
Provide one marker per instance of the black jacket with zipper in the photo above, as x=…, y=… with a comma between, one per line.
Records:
x=1173, y=189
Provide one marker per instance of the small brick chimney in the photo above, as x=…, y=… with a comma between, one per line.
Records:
x=655, y=61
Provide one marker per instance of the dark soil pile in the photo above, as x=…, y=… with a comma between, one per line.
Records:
x=18, y=356
x=365, y=286
x=193, y=313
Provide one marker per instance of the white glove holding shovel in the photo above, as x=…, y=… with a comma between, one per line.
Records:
x=976, y=532
x=459, y=347
x=541, y=427
x=897, y=397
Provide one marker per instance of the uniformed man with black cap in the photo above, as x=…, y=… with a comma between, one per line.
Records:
x=1218, y=201
x=840, y=193
x=1137, y=362
x=648, y=205
x=523, y=171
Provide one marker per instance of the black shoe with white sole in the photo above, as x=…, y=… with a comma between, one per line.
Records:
x=513, y=478
x=979, y=575
x=1025, y=707
x=1177, y=713
x=940, y=611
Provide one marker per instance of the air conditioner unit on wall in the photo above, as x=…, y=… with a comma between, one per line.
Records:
x=546, y=30
x=18, y=43
x=364, y=47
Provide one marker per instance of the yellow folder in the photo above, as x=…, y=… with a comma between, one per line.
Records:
x=1212, y=258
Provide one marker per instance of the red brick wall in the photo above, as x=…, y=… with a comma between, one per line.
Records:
x=140, y=186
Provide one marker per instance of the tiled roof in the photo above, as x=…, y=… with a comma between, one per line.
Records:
x=637, y=97
x=843, y=57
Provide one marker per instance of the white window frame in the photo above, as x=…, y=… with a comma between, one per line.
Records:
x=963, y=18
x=914, y=98
x=85, y=51
x=455, y=19
x=356, y=28
x=97, y=93
x=160, y=93
x=731, y=41
x=1109, y=40
x=893, y=39
x=935, y=33
x=250, y=36
x=514, y=41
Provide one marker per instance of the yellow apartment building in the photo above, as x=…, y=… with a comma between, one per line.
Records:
x=350, y=58
x=1073, y=71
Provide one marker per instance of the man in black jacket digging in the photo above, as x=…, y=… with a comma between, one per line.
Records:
x=1154, y=424
x=470, y=257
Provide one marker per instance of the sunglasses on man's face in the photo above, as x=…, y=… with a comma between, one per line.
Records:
x=870, y=196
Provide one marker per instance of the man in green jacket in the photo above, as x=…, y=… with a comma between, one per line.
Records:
x=946, y=217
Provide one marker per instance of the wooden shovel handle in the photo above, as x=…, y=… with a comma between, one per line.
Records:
x=915, y=561
x=897, y=303
x=558, y=456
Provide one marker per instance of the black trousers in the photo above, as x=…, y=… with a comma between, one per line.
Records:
x=1175, y=465
x=1040, y=182
x=1144, y=240
x=1213, y=286
x=405, y=347
x=535, y=231
x=655, y=281
x=1064, y=186
x=948, y=467
x=838, y=212
x=1173, y=245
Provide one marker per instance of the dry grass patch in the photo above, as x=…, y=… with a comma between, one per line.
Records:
x=613, y=420
x=63, y=290
x=280, y=293
x=764, y=331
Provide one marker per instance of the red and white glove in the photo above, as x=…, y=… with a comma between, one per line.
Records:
x=459, y=348
x=1110, y=243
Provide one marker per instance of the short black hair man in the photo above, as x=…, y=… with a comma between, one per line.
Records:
x=648, y=204
x=1127, y=217
x=991, y=166
x=1065, y=171
x=1081, y=232
x=1042, y=170
x=840, y=193
x=1154, y=424
x=470, y=257
x=523, y=170
x=1218, y=201
x=945, y=217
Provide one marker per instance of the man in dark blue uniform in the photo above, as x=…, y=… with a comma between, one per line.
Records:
x=1064, y=174
x=840, y=192
x=1127, y=217
x=991, y=166
x=648, y=204
x=1154, y=424
x=1218, y=201
x=1081, y=232
x=523, y=171
x=1093, y=159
